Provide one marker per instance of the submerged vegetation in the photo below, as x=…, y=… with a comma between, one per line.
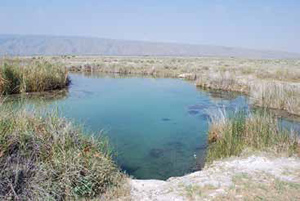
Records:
x=258, y=131
x=34, y=76
x=44, y=157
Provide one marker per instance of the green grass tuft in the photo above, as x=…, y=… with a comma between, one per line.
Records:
x=259, y=131
x=44, y=157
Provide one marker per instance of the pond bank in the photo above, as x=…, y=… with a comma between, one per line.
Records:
x=250, y=177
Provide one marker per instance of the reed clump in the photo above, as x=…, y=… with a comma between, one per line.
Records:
x=277, y=95
x=44, y=157
x=35, y=76
x=128, y=69
x=258, y=131
x=222, y=81
x=282, y=96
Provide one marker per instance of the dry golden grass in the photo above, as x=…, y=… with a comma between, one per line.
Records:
x=282, y=96
x=34, y=76
x=222, y=81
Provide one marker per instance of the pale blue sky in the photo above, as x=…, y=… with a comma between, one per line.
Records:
x=259, y=24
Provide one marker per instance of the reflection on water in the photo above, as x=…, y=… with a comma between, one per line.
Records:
x=218, y=95
x=45, y=97
x=157, y=127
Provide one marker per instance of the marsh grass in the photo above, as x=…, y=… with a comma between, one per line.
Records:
x=129, y=69
x=283, y=96
x=280, y=96
x=35, y=76
x=282, y=74
x=222, y=81
x=44, y=157
x=258, y=131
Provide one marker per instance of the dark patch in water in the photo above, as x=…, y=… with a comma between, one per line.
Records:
x=196, y=107
x=193, y=112
x=166, y=119
x=217, y=94
x=174, y=147
x=204, y=116
x=175, y=144
x=156, y=153
x=87, y=92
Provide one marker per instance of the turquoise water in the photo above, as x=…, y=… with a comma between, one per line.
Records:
x=157, y=127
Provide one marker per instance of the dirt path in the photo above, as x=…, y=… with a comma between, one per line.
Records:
x=249, y=178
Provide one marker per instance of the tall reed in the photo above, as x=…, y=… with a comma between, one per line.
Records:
x=222, y=81
x=230, y=136
x=35, y=76
x=282, y=96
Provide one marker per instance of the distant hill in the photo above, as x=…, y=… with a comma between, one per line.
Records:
x=22, y=45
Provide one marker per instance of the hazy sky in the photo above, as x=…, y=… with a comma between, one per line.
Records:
x=260, y=24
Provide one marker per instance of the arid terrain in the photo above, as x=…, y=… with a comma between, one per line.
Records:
x=246, y=178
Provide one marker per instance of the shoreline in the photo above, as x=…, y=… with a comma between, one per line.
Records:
x=218, y=181
x=272, y=88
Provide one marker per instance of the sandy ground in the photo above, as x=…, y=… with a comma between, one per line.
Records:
x=255, y=177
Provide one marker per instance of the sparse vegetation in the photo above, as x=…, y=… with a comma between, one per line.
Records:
x=261, y=187
x=35, y=76
x=44, y=157
x=259, y=131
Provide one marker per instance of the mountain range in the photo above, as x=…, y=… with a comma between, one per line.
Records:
x=28, y=45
